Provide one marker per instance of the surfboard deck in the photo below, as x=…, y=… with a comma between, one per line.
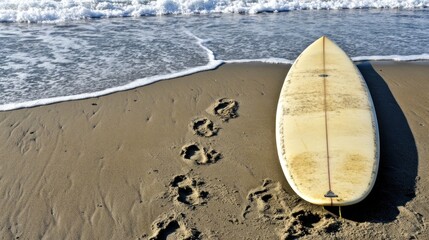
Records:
x=326, y=128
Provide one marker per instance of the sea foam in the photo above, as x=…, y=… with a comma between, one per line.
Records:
x=137, y=83
x=55, y=11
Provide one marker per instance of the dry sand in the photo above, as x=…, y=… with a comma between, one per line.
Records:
x=195, y=157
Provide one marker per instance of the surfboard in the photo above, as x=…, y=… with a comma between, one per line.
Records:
x=326, y=128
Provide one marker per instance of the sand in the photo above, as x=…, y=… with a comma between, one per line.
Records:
x=195, y=158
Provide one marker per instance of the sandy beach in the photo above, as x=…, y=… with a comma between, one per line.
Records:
x=195, y=158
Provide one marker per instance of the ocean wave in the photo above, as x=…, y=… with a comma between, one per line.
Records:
x=53, y=11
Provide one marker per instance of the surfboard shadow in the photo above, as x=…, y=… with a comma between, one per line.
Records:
x=395, y=184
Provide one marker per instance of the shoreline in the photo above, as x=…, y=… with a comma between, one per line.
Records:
x=212, y=65
x=131, y=165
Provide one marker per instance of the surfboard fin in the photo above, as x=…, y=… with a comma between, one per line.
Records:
x=331, y=194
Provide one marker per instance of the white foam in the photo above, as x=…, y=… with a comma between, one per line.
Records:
x=134, y=84
x=66, y=10
x=399, y=58
x=262, y=60
x=200, y=43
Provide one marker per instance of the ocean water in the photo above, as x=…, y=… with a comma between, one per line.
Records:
x=60, y=50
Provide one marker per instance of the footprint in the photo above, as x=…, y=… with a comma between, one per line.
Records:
x=203, y=127
x=196, y=154
x=173, y=226
x=186, y=190
x=294, y=219
x=224, y=108
x=303, y=222
x=269, y=202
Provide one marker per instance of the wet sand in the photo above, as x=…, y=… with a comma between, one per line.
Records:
x=195, y=157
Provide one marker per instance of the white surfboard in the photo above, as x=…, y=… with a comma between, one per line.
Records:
x=326, y=128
